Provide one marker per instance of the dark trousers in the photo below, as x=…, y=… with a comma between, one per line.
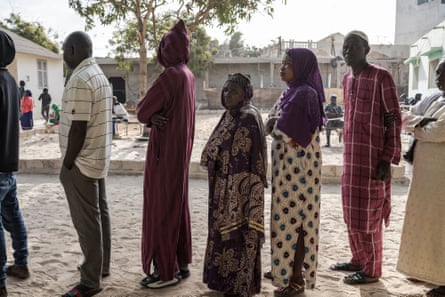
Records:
x=45, y=112
x=87, y=201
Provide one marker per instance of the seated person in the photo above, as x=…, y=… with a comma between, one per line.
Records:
x=119, y=114
x=334, y=113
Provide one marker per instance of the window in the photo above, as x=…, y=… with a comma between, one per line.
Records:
x=42, y=74
x=415, y=82
x=443, y=1
x=432, y=73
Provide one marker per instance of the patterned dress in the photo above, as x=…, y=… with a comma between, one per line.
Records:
x=235, y=157
x=296, y=176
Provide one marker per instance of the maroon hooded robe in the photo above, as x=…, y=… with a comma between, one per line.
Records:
x=166, y=231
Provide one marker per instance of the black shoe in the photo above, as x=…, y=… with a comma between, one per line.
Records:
x=3, y=292
x=17, y=271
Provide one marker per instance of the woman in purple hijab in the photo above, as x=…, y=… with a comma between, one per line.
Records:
x=294, y=124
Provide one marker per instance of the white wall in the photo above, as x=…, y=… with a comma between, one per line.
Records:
x=27, y=71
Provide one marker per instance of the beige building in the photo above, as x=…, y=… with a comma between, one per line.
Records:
x=264, y=71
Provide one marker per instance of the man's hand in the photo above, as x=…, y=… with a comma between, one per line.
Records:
x=388, y=118
x=158, y=120
x=383, y=170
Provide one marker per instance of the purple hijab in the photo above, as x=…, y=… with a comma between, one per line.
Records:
x=301, y=103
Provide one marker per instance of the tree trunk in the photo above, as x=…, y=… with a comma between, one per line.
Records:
x=143, y=78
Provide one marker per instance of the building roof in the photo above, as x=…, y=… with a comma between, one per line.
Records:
x=26, y=46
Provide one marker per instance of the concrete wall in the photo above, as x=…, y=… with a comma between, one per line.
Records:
x=413, y=20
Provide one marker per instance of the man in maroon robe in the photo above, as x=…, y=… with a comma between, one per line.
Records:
x=169, y=109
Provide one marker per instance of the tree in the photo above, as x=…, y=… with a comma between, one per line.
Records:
x=236, y=44
x=141, y=23
x=202, y=49
x=32, y=31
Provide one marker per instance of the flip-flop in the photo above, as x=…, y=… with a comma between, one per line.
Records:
x=82, y=291
x=345, y=266
x=163, y=284
x=152, y=278
x=359, y=278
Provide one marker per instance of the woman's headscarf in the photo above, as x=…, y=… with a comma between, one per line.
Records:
x=7, y=49
x=244, y=82
x=295, y=122
x=231, y=121
x=174, y=47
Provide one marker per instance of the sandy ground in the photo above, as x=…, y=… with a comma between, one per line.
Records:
x=55, y=253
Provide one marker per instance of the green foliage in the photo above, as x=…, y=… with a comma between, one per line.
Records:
x=141, y=24
x=201, y=51
x=32, y=31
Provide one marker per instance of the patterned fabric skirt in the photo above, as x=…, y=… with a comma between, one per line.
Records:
x=296, y=176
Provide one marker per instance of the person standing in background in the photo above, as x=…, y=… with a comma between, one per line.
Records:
x=21, y=92
x=11, y=216
x=85, y=144
x=45, y=97
x=27, y=106
x=371, y=144
x=334, y=113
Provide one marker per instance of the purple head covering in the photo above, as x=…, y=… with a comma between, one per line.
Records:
x=174, y=48
x=302, y=102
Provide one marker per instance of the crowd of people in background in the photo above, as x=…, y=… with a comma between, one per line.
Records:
x=236, y=161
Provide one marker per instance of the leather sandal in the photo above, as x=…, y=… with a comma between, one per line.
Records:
x=293, y=289
x=359, y=278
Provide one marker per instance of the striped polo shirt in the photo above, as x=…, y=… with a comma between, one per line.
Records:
x=88, y=97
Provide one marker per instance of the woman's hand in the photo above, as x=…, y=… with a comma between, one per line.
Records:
x=158, y=120
x=270, y=124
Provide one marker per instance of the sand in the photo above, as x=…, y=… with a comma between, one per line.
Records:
x=55, y=252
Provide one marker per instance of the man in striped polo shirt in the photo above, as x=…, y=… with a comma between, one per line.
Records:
x=85, y=143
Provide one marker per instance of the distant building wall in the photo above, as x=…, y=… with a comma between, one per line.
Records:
x=414, y=18
x=424, y=57
x=264, y=72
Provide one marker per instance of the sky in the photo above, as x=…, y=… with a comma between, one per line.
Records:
x=300, y=20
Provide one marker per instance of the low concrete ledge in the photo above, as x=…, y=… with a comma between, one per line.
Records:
x=330, y=174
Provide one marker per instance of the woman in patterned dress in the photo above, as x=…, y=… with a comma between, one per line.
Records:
x=294, y=124
x=235, y=158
